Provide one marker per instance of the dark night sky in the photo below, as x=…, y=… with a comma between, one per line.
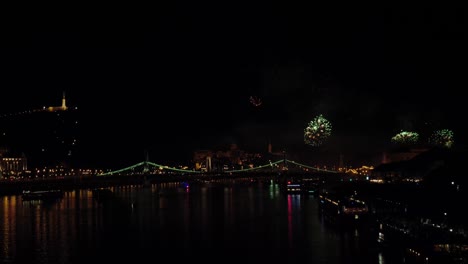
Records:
x=184, y=83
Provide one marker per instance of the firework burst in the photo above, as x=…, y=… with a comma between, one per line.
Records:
x=317, y=131
x=443, y=138
x=406, y=138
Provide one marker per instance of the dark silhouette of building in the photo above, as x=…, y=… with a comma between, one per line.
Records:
x=421, y=166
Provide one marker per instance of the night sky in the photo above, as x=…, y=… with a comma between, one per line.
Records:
x=184, y=83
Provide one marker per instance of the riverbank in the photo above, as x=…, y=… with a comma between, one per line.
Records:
x=8, y=187
x=428, y=223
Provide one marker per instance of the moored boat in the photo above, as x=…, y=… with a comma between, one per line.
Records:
x=345, y=209
x=28, y=195
x=299, y=186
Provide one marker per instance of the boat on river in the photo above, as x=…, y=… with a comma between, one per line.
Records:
x=29, y=195
x=299, y=186
x=344, y=209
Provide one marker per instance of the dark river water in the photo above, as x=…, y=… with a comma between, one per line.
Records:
x=208, y=222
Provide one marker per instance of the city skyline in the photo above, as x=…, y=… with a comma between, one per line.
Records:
x=188, y=85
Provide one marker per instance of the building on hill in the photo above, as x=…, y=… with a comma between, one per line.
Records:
x=402, y=154
x=48, y=136
x=221, y=160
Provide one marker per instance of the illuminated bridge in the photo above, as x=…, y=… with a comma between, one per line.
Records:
x=279, y=166
x=147, y=172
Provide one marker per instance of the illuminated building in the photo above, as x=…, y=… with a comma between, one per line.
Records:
x=10, y=165
x=62, y=107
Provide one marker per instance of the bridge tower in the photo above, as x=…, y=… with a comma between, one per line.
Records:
x=146, y=165
x=146, y=182
x=285, y=162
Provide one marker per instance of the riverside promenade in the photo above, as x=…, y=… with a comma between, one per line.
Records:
x=11, y=187
x=8, y=187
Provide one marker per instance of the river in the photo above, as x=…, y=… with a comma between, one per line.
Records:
x=208, y=222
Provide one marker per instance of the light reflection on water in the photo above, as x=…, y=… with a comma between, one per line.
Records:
x=246, y=222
